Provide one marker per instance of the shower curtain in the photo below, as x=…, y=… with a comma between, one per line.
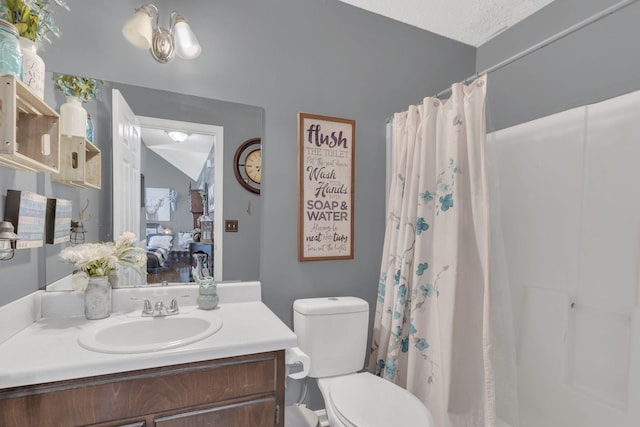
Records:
x=431, y=331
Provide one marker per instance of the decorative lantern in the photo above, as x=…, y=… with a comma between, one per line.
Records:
x=77, y=232
x=7, y=240
x=206, y=229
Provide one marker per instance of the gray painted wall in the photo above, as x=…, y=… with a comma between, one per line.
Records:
x=159, y=173
x=322, y=57
x=287, y=56
x=598, y=62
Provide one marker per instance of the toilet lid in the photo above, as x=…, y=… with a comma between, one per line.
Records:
x=369, y=401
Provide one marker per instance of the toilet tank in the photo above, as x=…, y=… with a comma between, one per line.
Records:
x=333, y=333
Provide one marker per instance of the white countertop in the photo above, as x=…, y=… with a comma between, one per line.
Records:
x=47, y=350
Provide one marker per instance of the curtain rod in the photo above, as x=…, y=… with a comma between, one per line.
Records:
x=562, y=34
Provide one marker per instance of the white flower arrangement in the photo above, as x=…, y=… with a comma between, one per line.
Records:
x=101, y=259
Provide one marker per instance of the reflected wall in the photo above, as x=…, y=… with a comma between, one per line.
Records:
x=240, y=122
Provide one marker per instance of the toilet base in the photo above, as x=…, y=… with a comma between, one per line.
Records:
x=299, y=416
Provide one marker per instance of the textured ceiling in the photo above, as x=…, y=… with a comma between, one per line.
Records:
x=471, y=22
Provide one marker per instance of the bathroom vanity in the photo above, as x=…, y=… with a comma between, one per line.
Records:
x=236, y=391
x=234, y=377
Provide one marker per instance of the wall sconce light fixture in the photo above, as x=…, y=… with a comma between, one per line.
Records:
x=7, y=240
x=77, y=232
x=163, y=43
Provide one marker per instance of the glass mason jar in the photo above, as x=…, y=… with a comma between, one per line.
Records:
x=10, y=53
x=32, y=67
x=89, y=128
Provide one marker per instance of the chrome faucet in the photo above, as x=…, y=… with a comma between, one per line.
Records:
x=159, y=309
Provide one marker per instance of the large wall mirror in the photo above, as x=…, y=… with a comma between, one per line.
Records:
x=203, y=166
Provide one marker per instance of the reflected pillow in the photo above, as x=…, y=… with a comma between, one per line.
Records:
x=184, y=238
x=164, y=242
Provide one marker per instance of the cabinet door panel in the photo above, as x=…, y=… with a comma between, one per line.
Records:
x=132, y=398
x=254, y=413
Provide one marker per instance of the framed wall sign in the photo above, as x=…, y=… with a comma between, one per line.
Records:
x=26, y=211
x=326, y=150
x=58, y=221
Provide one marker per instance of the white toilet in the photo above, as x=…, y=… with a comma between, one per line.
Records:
x=333, y=332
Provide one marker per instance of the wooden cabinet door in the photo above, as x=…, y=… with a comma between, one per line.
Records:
x=253, y=413
x=243, y=391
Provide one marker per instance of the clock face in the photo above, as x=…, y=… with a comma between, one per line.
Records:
x=253, y=165
x=248, y=165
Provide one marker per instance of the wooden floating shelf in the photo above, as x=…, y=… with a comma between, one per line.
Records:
x=29, y=129
x=80, y=163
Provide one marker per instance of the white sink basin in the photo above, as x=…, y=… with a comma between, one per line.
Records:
x=146, y=334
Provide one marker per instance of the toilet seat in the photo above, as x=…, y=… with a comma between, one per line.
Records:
x=369, y=401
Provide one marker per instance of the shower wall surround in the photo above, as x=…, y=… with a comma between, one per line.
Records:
x=565, y=233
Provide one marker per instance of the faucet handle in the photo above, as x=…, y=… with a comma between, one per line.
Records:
x=173, y=307
x=146, y=306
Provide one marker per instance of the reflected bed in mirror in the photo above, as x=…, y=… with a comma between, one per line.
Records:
x=239, y=123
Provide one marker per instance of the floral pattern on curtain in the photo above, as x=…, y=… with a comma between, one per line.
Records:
x=431, y=329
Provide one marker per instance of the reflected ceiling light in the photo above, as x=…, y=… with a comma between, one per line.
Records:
x=177, y=136
x=163, y=43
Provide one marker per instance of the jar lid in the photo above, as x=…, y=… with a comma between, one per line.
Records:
x=8, y=26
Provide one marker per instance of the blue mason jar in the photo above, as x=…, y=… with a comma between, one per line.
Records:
x=10, y=53
x=89, y=128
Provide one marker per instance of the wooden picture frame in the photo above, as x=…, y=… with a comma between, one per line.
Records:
x=58, y=221
x=326, y=175
x=27, y=213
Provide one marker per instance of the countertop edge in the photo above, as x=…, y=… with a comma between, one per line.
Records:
x=249, y=328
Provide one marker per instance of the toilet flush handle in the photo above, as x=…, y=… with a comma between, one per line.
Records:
x=295, y=367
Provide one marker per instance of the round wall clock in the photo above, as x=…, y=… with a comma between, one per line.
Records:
x=248, y=165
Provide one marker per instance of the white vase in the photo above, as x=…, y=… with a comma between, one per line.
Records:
x=97, y=298
x=73, y=118
x=32, y=67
